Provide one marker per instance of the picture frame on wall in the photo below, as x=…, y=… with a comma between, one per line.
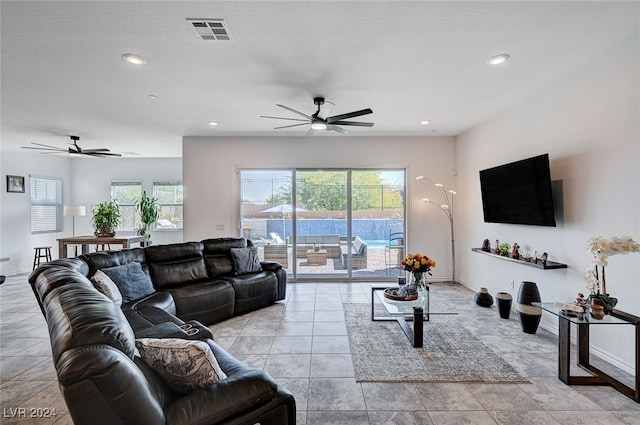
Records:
x=15, y=184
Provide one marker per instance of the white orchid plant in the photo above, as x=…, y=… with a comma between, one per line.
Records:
x=602, y=249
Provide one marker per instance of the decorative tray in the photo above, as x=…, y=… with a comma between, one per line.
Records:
x=391, y=293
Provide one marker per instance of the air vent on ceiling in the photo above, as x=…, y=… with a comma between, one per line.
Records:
x=210, y=29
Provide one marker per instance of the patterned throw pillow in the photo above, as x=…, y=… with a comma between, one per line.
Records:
x=184, y=365
x=246, y=260
x=131, y=280
x=104, y=284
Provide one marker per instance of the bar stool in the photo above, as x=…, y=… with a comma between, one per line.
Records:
x=41, y=252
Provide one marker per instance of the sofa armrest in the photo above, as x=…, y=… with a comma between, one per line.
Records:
x=231, y=396
x=192, y=330
x=270, y=266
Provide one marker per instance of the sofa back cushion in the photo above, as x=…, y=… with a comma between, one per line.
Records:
x=176, y=264
x=103, y=259
x=217, y=255
x=331, y=239
x=78, y=316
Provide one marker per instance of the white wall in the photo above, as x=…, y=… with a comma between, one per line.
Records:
x=16, y=240
x=589, y=124
x=211, y=180
x=85, y=181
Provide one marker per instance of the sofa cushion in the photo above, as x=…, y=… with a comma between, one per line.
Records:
x=254, y=291
x=217, y=255
x=184, y=365
x=245, y=260
x=104, y=284
x=176, y=264
x=102, y=259
x=206, y=302
x=132, y=282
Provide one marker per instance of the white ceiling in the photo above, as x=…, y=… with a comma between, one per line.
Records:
x=63, y=73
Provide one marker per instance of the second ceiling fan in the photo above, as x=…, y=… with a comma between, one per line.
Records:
x=321, y=121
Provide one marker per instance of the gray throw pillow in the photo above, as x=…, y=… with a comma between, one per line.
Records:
x=246, y=260
x=131, y=280
x=184, y=365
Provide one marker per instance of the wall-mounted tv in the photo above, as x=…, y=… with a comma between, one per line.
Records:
x=518, y=193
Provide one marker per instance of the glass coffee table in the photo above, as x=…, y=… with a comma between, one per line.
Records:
x=417, y=311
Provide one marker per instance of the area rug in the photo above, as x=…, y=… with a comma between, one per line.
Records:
x=381, y=352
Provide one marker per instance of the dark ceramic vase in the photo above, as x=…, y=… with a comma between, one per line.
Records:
x=483, y=298
x=504, y=301
x=528, y=314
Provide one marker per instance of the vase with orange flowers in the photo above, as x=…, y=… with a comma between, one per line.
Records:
x=419, y=265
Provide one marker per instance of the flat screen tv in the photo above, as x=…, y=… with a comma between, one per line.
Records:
x=518, y=193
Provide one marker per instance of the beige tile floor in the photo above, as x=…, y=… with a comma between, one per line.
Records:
x=303, y=343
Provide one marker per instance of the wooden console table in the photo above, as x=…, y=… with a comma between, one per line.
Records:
x=86, y=241
x=583, y=323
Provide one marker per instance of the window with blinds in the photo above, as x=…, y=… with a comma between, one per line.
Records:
x=46, y=204
x=170, y=200
x=126, y=194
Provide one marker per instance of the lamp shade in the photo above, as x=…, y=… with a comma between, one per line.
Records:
x=75, y=210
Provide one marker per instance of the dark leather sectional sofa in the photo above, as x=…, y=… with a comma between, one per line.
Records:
x=100, y=372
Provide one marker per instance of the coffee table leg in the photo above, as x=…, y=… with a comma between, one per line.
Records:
x=418, y=317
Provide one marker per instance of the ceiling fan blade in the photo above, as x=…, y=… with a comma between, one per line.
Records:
x=100, y=154
x=325, y=109
x=294, y=111
x=52, y=149
x=311, y=132
x=46, y=146
x=292, y=125
x=283, y=118
x=337, y=129
x=356, y=123
x=349, y=115
x=95, y=150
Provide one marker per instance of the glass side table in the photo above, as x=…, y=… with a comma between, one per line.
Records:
x=583, y=323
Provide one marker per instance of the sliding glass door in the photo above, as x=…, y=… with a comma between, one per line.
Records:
x=326, y=223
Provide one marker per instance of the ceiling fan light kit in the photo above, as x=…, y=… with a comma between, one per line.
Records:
x=320, y=120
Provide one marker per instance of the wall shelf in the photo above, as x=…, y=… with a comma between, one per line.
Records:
x=549, y=265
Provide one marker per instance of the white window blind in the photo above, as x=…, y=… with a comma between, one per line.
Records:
x=170, y=199
x=126, y=194
x=46, y=204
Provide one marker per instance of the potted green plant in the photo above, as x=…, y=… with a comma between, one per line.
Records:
x=149, y=211
x=106, y=218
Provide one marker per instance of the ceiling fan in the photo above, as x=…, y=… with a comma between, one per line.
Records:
x=320, y=119
x=72, y=150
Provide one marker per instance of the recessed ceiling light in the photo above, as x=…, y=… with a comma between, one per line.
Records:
x=213, y=123
x=425, y=122
x=498, y=59
x=134, y=59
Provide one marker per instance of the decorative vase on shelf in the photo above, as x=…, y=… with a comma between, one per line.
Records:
x=483, y=298
x=528, y=314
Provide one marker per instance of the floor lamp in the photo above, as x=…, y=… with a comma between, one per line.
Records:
x=447, y=208
x=73, y=211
